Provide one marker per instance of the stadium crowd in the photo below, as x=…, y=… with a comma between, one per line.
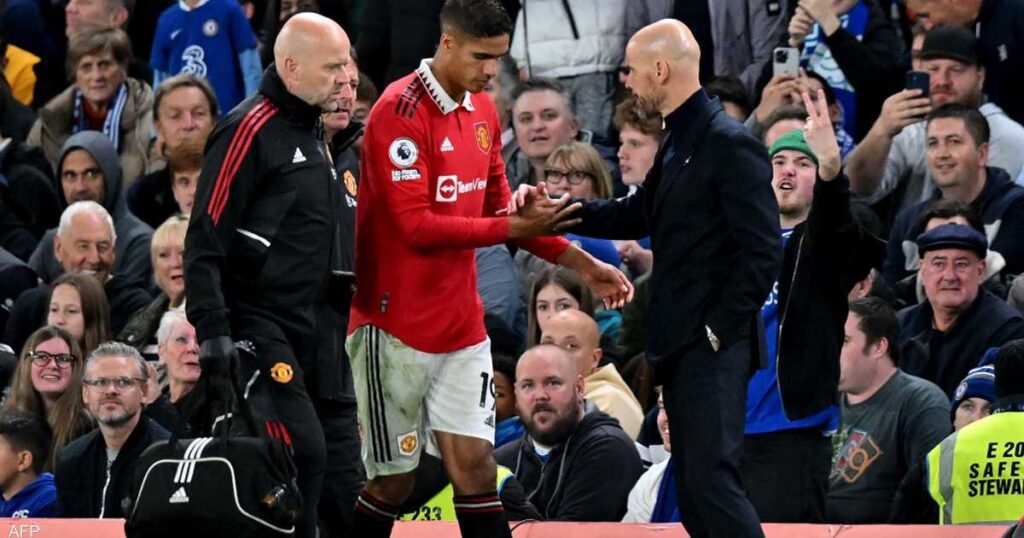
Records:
x=894, y=332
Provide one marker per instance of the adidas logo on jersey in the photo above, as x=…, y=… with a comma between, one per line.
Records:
x=447, y=146
x=298, y=157
x=178, y=496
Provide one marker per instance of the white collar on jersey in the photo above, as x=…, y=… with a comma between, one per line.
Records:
x=437, y=93
x=184, y=6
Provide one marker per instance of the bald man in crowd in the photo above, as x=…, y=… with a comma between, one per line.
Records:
x=577, y=333
x=263, y=240
x=709, y=209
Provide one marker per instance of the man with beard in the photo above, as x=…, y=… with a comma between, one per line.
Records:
x=563, y=458
x=262, y=249
x=94, y=472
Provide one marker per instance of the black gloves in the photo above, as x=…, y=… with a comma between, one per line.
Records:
x=216, y=355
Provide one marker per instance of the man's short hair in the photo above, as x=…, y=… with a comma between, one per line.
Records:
x=947, y=208
x=366, y=90
x=628, y=113
x=878, y=320
x=187, y=157
x=729, y=89
x=85, y=207
x=783, y=113
x=973, y=119
x=1009, y=365
x=117, y=349
x=27, y=432
x=184, y=80
x=167, y=323
x=541, y=84
x=96, y=41
x=475, y=18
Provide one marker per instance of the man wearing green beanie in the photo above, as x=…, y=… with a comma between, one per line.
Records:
x=825, y=253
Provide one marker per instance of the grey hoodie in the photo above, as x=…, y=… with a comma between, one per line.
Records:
x=131, y=248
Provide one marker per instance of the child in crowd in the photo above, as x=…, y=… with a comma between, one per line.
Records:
x=211, y=39
x=24, y=448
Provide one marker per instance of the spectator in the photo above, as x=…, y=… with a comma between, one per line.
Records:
x=997, y=24
x=562, y=459
x=28, y=492
x=974, y=396
x=555, y=288
x=972, y=487
x=15, y=278
x=855, y=47
x=210, y=39
x=167, y=252
x=46, y=385
x=84, y=244
x=892, y=156
x=19, y=69
x=942, y=338
x=639, y=137
x=184, y=111
x=790, y=403
x=28, y=198
x=509, y=426
x=781, y=121
x=95, y=471
x=26, y=27
x=736, y=37
x=957, y=154
x=78, y=305
x=578, y=42
x=101, y=98
x=890, y=419
x=813, y=82
x=733, y=96
x=82, y=16
x=179, y=353
x=543, y=120
x=577, y=334
x=88, y=170
x=653, y=498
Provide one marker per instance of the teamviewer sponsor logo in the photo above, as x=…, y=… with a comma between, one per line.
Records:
x=447, y=188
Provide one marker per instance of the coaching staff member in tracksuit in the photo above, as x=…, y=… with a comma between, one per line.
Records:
x=264, y=237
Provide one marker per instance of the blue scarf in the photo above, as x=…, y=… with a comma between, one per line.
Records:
x=666, y=509
x=111, y=125
x=818, y=58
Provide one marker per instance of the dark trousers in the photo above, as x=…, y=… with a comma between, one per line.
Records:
x=278, y=398
x=786, y=474
x=345, y=475
x=705, y=398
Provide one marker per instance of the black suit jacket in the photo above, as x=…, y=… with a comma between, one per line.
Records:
x=714, y=226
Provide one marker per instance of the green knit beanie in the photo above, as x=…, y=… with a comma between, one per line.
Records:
x=795, y=141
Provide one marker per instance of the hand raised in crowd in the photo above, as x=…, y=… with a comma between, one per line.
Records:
x=538, y=214
x=799, y=27
x=823, y=12
x=902, y=109
x=608, y=283
x=820, y=136
x=781, y=90
x=639, y=259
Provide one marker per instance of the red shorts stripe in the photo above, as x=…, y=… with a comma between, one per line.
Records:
x=239, y=146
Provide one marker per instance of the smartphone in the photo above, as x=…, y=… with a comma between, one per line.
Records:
x=785, y=61
x=919, y=80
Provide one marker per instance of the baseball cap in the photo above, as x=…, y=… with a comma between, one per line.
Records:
x=952, y=43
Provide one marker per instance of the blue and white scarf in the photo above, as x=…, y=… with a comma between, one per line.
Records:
x=817, y=57
x=111, y=125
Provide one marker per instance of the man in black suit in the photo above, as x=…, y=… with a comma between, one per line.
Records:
x=713, y=219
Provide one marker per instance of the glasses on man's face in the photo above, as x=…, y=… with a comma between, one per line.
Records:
x=120, y=383
x=575, y=177
x=42, y=358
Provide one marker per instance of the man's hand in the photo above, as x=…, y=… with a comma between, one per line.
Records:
x=799, y=28
x=902, y=109
x=640, y=259
x=608, y=283
x=822, y=11
x=216, y=356
x=543, y=216
x=821, y=137
x=781, y=90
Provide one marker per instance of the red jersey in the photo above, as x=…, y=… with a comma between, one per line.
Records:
x=432, y=179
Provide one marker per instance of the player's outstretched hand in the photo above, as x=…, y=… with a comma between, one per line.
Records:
x=543, y=215
x=524, y=195
x=608, y=283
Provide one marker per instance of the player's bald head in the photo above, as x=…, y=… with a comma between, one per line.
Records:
x=306, y=34
x=667, y=40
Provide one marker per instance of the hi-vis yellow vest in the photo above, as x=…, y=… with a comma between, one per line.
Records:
x=441, y=507
x=977, y=474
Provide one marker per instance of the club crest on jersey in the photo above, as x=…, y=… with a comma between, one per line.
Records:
x=210, y=28
x=281, y=372
x=350, y=182
x=483, y=136
x=403, y=152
